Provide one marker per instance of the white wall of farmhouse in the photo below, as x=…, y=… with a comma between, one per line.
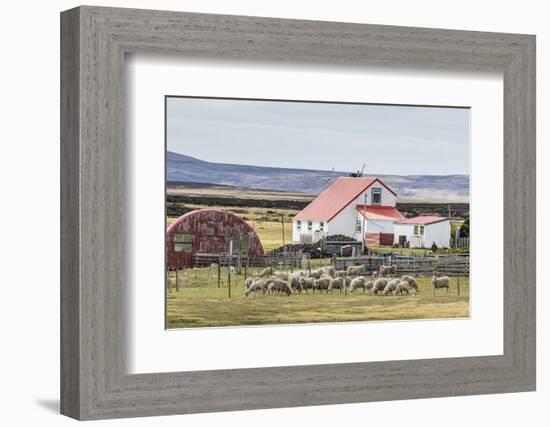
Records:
x=346, y=221
x=317, y=229
x=438, y=232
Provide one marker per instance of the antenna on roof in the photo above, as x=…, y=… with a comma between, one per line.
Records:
x=329, y=178
x=358, y=174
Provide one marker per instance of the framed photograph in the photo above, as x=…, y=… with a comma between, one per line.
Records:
x=262, y=213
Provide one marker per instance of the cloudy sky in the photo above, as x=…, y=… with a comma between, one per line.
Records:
x=389, y=139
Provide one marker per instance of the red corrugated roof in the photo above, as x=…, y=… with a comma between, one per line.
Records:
x=423, y=220
x=334, y=199
x=380, y=212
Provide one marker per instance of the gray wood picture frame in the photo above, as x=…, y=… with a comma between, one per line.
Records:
x=94, y=381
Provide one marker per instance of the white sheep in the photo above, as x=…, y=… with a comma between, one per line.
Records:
x=411, y=281
x=403, y=288
x=307, y=283
x=294, y=280
x=258, y=286
x=317, y=273
x=266, y=272
x=248, y=282
x=329, y=271
x=337, y=283
x=341, y=273
x=355, y=270
x=279, y=286
x=441, y=282
x=357, y=282
x=379, y=285
x=323, y=283
x=391, y=286
x=387, y=269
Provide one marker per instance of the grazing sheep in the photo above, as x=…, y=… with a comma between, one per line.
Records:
x=441, y=282
x=391, y=286
x=379, y=285
x=329, y=271
x=307, y=283
x=232, y=270
x=358, y=282
x=294, y=280
x=411, y=281
x=258, y=286
x=248, y=282
x=341, y=273
x=323, y=283
x=282, y=287
x=403, y=288
x=387, y=270
x=281, y=275
x=368, y=285
x=355, y=270
x=316, y=274
x=266, y=272
x=337, y=283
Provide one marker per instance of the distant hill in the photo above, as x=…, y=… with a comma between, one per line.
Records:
x=181, y=168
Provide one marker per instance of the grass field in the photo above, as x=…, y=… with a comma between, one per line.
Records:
x=198, y=304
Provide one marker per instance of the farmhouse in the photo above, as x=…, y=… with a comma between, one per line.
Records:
x=423, y=232
x=353, y=207
x=209, y=232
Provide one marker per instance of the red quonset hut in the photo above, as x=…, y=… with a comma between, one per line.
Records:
x=212, y=232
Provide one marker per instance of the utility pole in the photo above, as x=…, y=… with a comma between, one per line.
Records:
x=283, y=227
x=363, y=226
x=450, y=212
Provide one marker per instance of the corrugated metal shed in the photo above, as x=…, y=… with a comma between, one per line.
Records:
x=209, y=231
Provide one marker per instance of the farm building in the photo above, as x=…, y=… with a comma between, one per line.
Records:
x=353, y=207
x=209, y=232
x=423, y=231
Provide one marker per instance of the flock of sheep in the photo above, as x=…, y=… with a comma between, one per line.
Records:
x=328, y=279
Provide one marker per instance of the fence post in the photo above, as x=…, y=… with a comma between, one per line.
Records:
x=229, y=279
x=458, y=284
x=309, y=267
x=177, y=278
x=219, y=271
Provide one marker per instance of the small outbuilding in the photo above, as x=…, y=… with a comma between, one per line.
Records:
x=209, y=232
x=423, y=232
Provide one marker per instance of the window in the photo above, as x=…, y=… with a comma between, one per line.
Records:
x=183, y=242
x=309, y=225
x=321, y=226
x=359, y=225
x=298, y=225
x=418, y=230
x=376, y=196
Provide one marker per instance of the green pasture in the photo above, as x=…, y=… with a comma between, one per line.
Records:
x=199, y=302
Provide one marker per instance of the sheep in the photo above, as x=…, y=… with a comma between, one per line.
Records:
x=341, y=273
x=323, y=283
x=258, y=286
x=368, y=285
x=337, y=283
x=403, y=288
x=279, y=286
x=357, y=282
x=329, y=271
x=248, y=282
x=316, y=274
x=355, y=270
x=411, y=281
x=391, y=286
x=307, y=283
x=379, y=285
x=294, y=280
x=232, y=270
x=387, y=270
x=266, y=272
x=281, y=275
x=440, y=282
